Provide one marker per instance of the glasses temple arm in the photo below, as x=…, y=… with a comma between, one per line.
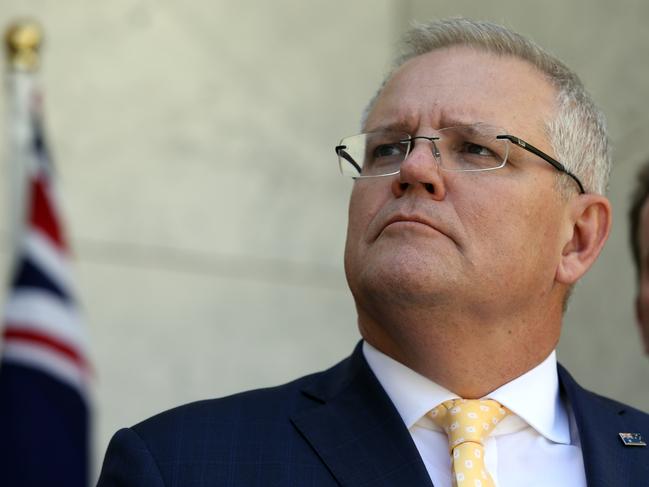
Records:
x=530, y=148
x=340, y=151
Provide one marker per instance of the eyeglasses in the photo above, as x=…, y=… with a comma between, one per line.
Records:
x=464, y=148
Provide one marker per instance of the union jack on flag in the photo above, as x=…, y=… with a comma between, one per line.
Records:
x=44, y=370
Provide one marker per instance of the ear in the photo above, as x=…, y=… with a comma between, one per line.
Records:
x=589, y=223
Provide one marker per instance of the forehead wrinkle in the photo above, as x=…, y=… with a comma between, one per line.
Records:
x=403, y=123
x=414, y=116
x=453, y=120
x=412, y=124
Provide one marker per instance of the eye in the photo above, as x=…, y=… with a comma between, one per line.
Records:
x=388, y=150
x=477, y=149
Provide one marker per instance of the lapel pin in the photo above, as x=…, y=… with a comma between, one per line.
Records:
x=632, y=439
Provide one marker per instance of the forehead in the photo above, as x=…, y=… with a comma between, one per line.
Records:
x=462, y=84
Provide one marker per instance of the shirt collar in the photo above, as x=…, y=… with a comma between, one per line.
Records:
x=533, y=397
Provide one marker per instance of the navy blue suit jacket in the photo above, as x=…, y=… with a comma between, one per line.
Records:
x=334, y=428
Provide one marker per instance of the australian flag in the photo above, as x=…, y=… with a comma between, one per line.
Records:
x=44, y=371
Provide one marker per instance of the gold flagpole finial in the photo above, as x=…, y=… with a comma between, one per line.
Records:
x=23, y=41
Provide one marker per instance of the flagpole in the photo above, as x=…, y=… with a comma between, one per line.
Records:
x=23, y=41
x=44, y=368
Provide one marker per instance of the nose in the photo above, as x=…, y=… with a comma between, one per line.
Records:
x=420, y=171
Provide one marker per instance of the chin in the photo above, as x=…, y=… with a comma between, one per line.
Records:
x=400, y=281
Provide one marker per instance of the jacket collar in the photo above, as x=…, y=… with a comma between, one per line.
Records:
x=356, y=430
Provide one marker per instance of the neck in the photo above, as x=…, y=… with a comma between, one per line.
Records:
x=466, y=355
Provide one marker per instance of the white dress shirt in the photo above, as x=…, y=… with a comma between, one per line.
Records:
x=537, y=445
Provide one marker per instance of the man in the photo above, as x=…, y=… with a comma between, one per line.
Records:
x=463, y=244
x=639, y=238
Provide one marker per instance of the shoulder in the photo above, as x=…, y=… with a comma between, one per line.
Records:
x=205, y=439
x=268, y=405
x=253, y=413
x=232, y=412
x=211, y=438
x=202, y=442
x=236, y=440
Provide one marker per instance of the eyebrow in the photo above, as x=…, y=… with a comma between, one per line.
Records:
x=399, y=126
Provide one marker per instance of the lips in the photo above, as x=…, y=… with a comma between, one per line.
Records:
x=414, y=219
x=409, y=219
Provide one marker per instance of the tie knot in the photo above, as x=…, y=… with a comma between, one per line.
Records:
x=468, y=420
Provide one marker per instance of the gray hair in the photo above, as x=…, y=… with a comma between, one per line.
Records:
x=578, y=133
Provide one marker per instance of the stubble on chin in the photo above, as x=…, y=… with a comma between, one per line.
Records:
x=398, y=283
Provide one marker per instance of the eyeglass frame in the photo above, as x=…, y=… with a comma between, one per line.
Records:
x=538, y=152
x=516, y=140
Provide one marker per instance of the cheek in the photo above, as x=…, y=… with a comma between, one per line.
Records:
x=357, y=222
x=364, y=203
x=513, y=232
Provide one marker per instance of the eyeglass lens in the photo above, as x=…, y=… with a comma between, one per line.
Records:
x=460, y=148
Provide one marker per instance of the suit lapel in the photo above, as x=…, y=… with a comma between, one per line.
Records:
x=356, y=430
x=607, y=461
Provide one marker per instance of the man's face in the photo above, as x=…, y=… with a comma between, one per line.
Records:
x=642, y=300
x=486, y=242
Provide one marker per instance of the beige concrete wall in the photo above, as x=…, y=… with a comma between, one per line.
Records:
x=194, y=142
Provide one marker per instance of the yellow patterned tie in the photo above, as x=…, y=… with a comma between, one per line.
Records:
x=467, y=423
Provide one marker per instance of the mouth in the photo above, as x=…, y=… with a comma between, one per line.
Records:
x=413, y=221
